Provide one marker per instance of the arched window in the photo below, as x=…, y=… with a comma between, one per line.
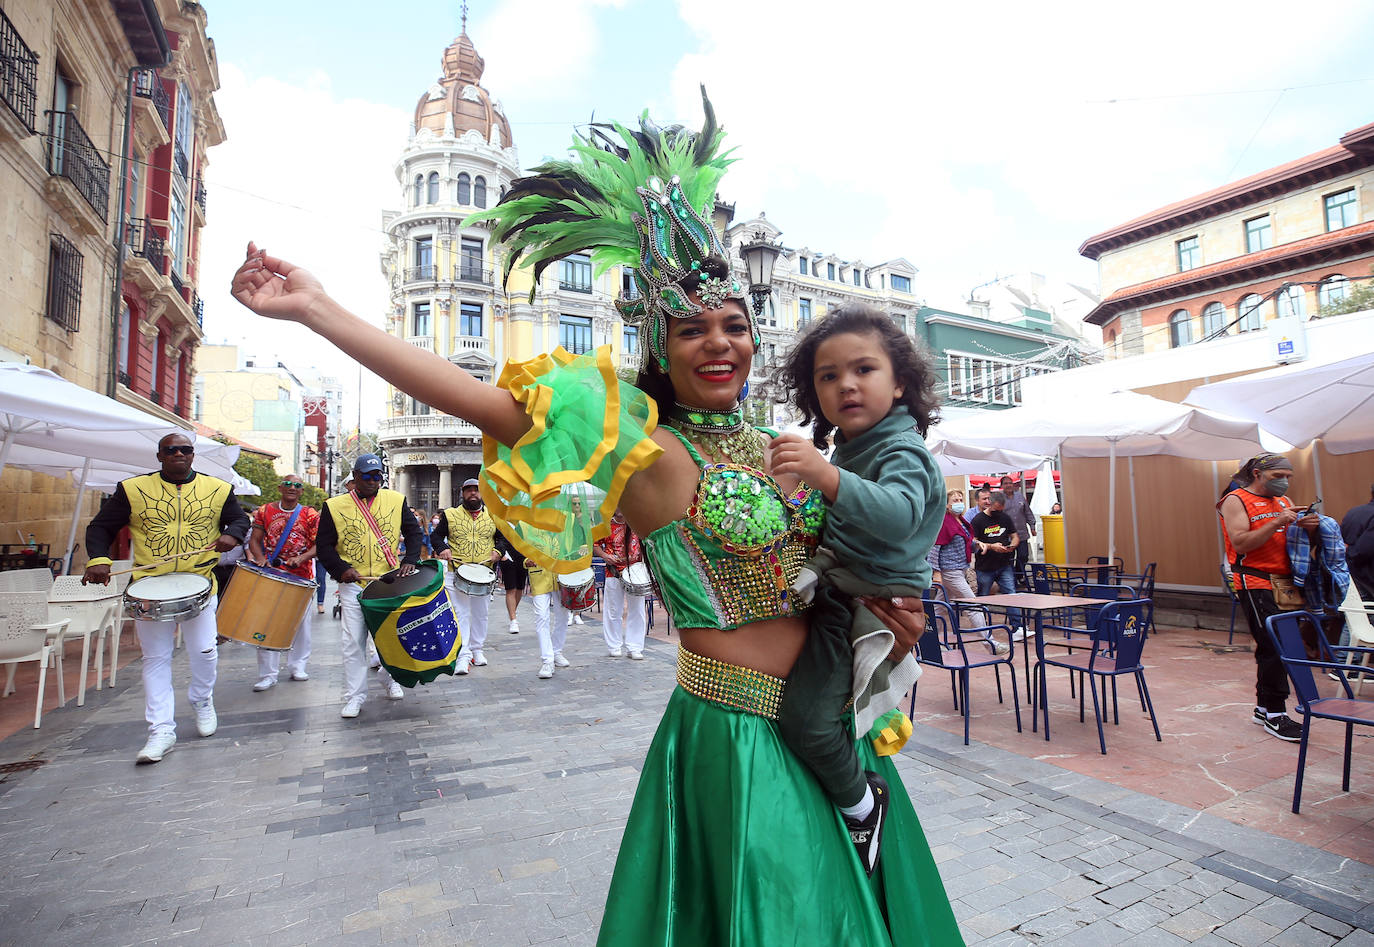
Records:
x=1213, y=320
x=1291, y=302
x=464, y=189
x=1180, y=328
x=1334, y=289
x=479, y=191
x=419, y=189
x=433, y=194
x=1250, y=313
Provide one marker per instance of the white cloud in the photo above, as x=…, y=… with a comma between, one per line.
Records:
x=541, y=47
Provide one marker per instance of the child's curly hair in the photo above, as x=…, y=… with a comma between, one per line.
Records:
x=912, y=367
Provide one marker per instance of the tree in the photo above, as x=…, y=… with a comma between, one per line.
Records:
x=1360, y=298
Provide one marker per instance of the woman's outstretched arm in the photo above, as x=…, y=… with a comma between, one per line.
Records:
x=274, y=288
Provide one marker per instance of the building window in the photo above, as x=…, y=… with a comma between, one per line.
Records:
x=470, y=320
x=575, y=333
x=176, y=227
x=629, y=342
x=185, y=125
x=419, y=189
x=1291, y=302
x=830, y=271
x=155, y=384
x=628, y=288
x=575, y=274
x=1334, y=289
x=857, y=276
x=1189, y=254
x=770, y=312
x=1249, y=314
x=1258, y=234
x=432, y=191
x=901, y=284
x=419, y=323
x=126, y=327
x=1180, y=329
x=801, y=263
x=424, y=258
x=470, y=258
x=803, y=312
x=64, y=283
x=1341, y=209
x=1213, y=320
x=464, y=189
x=479, y=191
x=175, y=399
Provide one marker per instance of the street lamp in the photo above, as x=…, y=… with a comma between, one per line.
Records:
x=759, y=254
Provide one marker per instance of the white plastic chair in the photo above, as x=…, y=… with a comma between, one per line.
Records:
x=25, y=635
x=26, y=580
x=91, y=611
x=1357, y=615
x=118, y=583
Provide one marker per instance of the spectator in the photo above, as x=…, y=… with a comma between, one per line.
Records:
x=1018, y=508
x=995, y=542
x=1357, y=529
x=951, y=555
x=980, y=503
x=1057, y=509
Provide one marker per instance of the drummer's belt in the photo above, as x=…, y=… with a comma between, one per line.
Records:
x=729, y=685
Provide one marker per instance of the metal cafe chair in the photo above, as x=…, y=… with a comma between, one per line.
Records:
x=943, y=646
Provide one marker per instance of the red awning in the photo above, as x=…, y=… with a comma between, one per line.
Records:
x=1027, y=476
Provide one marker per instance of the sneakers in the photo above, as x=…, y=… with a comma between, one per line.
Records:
x=1283, y=727
x=352, y=708
x=265, y=684
x=395, y=691
x=636, y=655
x=1001, y=647
x=514, y=627
x=479, y=659
x=319, y=609
x=545, y=670
x=867, y=835
x=299, y=676
x=615, y=653
x=158, y=746
x=1019, y=634
x=463, y=665
x=577, y=619
x=559, y=661
x=206, y=720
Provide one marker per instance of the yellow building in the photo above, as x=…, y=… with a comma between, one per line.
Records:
x=260, y=403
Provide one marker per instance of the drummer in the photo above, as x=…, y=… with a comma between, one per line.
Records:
x=550, y=619
x=174, y=510
x=466, y=535
x=353, y=553
x=622, y=621
x=283, y=537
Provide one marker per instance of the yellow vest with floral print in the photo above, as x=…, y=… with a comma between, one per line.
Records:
x=170, y=518
x=471, y=539
x=356, y=545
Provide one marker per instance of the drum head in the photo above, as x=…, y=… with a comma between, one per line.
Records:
x=402, y=586
x=575, y=580
x=163, y=587
x=481, y=575
x=278, y=574
x=637, y=573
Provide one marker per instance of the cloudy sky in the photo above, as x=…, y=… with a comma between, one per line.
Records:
x=974, y=142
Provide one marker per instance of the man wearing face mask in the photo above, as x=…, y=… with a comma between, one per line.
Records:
x=467, y=535
x=1255, y=517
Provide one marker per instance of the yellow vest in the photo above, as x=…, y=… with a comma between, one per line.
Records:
x=356, y=545
x=169, y=518
x=470, y=540
x=542, y=581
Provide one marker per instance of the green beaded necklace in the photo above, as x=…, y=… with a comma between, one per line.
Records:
x=719, y=435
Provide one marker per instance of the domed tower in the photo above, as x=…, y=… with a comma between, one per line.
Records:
x=445, y=296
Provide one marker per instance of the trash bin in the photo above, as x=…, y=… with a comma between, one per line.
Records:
x=1052, y=535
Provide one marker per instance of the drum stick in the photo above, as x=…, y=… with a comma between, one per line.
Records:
x=158, y=562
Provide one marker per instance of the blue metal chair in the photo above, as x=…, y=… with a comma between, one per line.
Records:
x=1118, y=639
x=1229, y=586
x=943, y=646
x=1285, y=630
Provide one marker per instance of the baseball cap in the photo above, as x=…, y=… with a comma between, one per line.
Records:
x=471, y=482
x=367, y=463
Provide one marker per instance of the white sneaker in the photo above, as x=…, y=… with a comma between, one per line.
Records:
x=636, y=655
x=479, y=659
x=545, y=670
x=615, y=653
x=560, y=661
x=1019, y=634
x=206, y=720
x=264, y=684
x=299, y=676
x=1001, y=647
x=394, y=691
x=514, y=627
x=352, y=708
x=577, y=619
x=158, y=746
x=463, y=665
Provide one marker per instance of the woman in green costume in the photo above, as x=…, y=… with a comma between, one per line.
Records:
x=730, y=841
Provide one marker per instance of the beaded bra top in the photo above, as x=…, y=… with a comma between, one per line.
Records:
x=734, y=556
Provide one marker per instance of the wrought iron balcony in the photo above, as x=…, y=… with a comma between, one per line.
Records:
x=198, y=306
x=125, y=380
x=420, y=274
x=200, y=196
x=149, y=86
x=472, y=273
x=155, y=397
x=18, y=73
x=177, y=284
x=72, y=155
x=182, y=161
x=143, y=240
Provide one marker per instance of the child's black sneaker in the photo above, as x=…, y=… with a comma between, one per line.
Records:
x=867, y=835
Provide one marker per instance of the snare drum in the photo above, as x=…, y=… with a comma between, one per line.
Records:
x=170, y=597
x=263, y=606
x=577, y=590
x=637, y=580
x=472, y=579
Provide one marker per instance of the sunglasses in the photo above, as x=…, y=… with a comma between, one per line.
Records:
x=185, y=450
x=370, y=476
x=292, y=483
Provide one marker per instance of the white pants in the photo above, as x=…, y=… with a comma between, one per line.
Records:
x=551, y=639
x=471, y=612
x=623, y=622
x=269, y=662
x=157, y=638
x=354, y=641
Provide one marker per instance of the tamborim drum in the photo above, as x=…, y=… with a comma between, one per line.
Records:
x=263, y=606
x=577, y=590
x=413, y=625
x=169, y=597
x=472, y=579
x=637, y=580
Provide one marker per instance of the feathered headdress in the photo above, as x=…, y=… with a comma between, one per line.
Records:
x=636, y=198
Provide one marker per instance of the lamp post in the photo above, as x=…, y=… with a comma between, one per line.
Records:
x=759, y=254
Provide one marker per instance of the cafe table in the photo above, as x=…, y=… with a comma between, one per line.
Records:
x=1037, y=605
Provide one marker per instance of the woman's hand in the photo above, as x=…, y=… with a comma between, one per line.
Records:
x=274, y=288
x=904, y=617
x=795, y=455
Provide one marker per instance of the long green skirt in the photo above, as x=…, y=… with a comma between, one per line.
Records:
x=732, y=843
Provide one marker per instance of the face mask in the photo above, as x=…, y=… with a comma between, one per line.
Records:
x=957, y=507
x=1276, y=487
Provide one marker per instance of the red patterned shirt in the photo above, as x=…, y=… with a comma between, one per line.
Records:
x=272, y=520
x=623, y=544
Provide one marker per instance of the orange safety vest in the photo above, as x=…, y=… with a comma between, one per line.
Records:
x=1272, y=557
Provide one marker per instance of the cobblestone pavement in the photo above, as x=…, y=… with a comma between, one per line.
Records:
x=487, y=810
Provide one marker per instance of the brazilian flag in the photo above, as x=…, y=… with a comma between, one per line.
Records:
x=413, y=625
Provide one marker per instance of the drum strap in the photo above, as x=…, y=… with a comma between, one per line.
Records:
x=285, y=532
x=391, y=559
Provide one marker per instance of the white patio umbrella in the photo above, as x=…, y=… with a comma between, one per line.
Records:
x=1120, y=423
x=957, y=458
